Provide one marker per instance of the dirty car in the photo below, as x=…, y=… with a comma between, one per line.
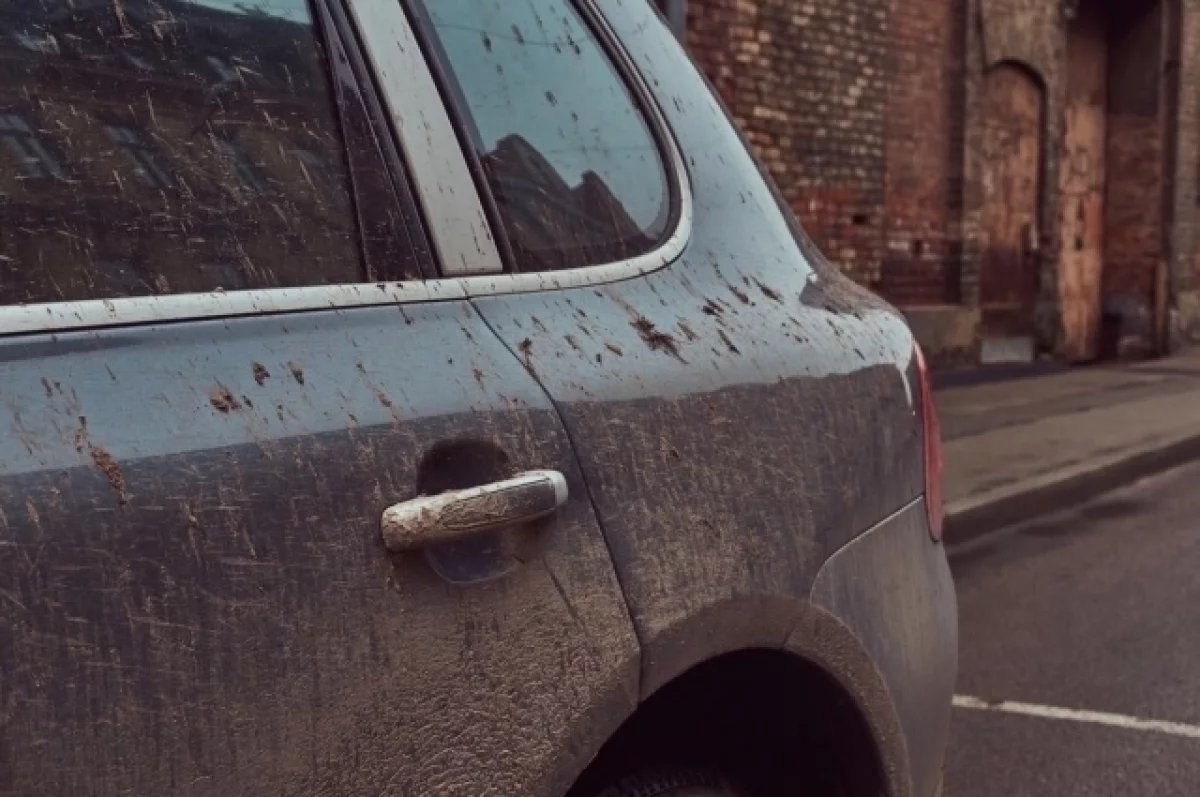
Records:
x=435, y=398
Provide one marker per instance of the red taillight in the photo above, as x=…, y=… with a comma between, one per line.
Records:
x=933, y=448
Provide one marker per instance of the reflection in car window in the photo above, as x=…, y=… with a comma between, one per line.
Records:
x=150, y=146
x=575, y=172
x=242, y=167
x=142, y=156
x=29, y=153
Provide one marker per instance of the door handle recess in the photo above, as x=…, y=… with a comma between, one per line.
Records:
x=453, y=515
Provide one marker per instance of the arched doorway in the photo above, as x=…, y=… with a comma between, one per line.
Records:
x=1012, y=133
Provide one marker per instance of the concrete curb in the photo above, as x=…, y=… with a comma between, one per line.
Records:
x=971, y=518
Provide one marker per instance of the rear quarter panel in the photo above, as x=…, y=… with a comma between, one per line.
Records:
x=894, y=591
x=740, y=414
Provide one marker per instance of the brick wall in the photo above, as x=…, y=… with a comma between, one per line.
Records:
x=923, y=219
x=807, y=81
x=710, y=40
x=856, y=107
x=870, y=115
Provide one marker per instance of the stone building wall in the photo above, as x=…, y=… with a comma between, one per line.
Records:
x=808, y=83
x=924, y=148
x=873, y=118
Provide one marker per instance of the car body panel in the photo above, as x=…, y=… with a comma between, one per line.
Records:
x=741, y=414
x=194, y=597
x=894, y=591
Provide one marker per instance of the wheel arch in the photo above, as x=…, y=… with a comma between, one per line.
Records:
x=772, y=688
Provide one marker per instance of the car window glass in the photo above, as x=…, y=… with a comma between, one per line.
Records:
x=570, y=160
x=168, y=146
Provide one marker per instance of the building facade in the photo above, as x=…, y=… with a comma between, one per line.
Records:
x=1018, y=176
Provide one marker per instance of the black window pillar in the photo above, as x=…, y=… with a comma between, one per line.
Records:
x=676, y=13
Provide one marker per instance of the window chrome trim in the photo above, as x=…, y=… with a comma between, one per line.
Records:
x=139, y=310
x=442, y=180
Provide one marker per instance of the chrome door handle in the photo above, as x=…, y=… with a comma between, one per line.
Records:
x=453, y=515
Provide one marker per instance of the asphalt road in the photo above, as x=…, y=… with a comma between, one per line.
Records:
x=1091, y=610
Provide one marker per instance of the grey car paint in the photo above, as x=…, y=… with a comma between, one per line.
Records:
x=740, y=415
x=194, y=598
x=894, y=591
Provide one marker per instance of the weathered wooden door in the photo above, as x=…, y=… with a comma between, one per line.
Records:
x=1012, y=155
x=1082, y=188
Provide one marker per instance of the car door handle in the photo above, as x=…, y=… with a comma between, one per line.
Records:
x=453, y=515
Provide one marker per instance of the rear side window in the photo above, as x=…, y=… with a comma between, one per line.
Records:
x=160, y=146
x=575, y=172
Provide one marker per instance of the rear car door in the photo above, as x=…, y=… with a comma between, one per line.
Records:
x=220, y=362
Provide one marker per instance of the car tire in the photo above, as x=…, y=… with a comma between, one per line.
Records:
x=671, y=783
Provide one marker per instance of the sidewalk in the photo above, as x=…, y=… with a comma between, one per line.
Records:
x=1023, y=447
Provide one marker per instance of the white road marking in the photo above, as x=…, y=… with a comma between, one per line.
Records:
x=1073, y=715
